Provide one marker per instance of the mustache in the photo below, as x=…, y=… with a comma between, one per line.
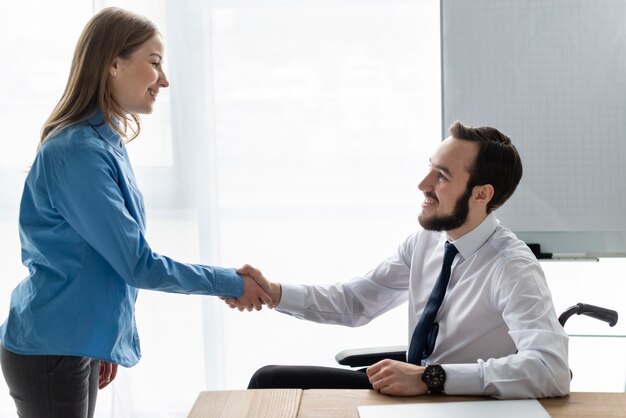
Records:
x=431, y=196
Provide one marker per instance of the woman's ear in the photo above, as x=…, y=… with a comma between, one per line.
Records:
x=113, y=67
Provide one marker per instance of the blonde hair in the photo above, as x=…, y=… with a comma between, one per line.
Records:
x=111, y=33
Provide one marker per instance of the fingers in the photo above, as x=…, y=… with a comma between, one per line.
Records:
x=254, y=294
x=104, y=377
x=256, y=304
x=266, y=299
x=384, y=377
x=256, y=275
x=113, y=371
x=392, y=377
x=234, y=304
x=376, y=374
x=390, y=389
x=383, y=385
x=248, y=270
x=375, y=368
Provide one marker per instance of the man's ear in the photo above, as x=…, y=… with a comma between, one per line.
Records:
x=483, y=193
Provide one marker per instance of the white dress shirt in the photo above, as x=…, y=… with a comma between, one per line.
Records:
x=498, y=330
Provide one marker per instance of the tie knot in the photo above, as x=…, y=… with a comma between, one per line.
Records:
x=449, y=253
x=450, y=248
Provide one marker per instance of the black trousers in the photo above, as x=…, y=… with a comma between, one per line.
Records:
x=308, y=377
x=51, y=386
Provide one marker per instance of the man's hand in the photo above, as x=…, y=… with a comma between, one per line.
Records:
x=108, y=371
x=391, y=377
x=254, y=296
x=272, y=291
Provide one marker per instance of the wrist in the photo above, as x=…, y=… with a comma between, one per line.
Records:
x=434, y=376
x=276, y=292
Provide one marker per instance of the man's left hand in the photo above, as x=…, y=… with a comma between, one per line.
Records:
x=391, y=377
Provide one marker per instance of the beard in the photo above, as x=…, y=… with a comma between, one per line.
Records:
x=448, y=222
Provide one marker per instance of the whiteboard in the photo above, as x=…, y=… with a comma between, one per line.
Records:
x=551, y=74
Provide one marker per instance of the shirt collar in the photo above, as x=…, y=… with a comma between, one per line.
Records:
x=469, y=243
x=104, y=131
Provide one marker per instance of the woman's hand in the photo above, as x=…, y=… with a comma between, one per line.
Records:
x=261, y=291
x=108, y=371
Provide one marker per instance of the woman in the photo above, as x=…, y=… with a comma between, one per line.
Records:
x=82, y=225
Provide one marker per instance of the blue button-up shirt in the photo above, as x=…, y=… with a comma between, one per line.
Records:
x=82, y=229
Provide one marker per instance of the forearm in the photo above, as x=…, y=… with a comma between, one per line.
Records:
x=352, y=303
x=164, y=274
x=525, y=375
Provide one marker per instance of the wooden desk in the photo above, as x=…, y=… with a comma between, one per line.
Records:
x=318, y=403
x=343, y=403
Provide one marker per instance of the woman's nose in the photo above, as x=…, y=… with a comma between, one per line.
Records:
x=163, y=82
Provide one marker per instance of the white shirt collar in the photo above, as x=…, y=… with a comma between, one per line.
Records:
x=474, y=239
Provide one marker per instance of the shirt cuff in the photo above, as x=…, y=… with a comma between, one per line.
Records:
x=463, y=379
x=292, y=298
x=227, y=282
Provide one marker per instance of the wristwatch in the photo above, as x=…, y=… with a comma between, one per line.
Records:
x=434, y=376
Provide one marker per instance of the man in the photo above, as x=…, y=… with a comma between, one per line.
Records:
x=483, y=324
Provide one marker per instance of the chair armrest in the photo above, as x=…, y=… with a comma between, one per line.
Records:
x=360, y=357
x=607, y=315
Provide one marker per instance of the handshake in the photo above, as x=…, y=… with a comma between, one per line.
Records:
x=257, y=291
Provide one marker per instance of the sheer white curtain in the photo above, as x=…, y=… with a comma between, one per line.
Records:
x=292, y=138
x=325, y=113
x=36, y=42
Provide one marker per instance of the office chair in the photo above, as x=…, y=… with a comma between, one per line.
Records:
x=363, y=357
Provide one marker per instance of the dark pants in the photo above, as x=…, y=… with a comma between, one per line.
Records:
x=308, y=377
x=51, y=386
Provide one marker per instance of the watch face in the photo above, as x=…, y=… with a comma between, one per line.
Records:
x=434, y=377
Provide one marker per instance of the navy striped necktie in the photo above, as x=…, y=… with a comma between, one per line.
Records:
x=425, y=333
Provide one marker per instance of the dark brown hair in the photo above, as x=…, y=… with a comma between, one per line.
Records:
x=497, y=163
